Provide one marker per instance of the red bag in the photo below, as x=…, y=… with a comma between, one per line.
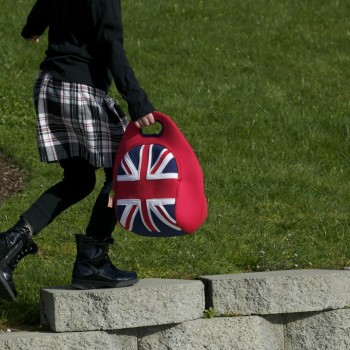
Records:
x=158, y=182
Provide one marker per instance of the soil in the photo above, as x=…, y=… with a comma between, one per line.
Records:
x=11, y=179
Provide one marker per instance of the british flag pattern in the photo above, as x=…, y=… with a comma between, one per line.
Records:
x=147, y=181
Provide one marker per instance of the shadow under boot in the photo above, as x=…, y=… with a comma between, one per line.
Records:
x=15, y=244
x=94, y=269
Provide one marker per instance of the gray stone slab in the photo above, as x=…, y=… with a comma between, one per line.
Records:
x=318, y=331
x=65, y=341
x=234, y=333
x=147, y=303
x=278, y=292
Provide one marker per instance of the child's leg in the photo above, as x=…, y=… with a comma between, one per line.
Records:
x=93, y=267
x=16, y=243
x=103, y=219
x=78, y=181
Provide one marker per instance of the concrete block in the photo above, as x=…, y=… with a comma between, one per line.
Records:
x=235, y=333
x=318, y=331
x=149, y=302
x=278, y=292
x=63, y=341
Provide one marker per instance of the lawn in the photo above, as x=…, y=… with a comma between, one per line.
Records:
x=261, y=91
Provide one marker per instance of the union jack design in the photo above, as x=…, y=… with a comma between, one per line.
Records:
x=147, y=181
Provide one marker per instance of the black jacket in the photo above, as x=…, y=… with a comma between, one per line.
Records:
x=86, y=46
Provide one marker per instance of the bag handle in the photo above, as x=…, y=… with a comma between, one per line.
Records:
x=164, y=120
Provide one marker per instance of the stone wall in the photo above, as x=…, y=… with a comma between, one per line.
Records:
x=281, y=310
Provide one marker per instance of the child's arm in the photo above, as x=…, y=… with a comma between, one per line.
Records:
x=110, y=43
x=38, y=20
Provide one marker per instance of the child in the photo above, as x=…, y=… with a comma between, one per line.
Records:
x=80, y=127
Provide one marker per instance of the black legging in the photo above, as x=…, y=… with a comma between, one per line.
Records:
x=79, y=180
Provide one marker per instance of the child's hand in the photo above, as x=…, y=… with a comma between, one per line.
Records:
x=35, y=38
x=145, y=121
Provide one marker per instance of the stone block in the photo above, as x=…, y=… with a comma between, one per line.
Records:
x=65, y=341
x=234, y=333
x=318, y=331
x=149, y=302
x=278, y=292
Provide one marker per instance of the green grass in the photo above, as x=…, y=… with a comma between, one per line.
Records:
x=261, y=91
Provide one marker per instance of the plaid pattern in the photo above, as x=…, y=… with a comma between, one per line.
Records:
x=76, y=120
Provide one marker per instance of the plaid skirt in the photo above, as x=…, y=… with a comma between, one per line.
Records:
x=76, y=120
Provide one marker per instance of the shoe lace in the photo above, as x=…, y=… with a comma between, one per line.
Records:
x=28, y=249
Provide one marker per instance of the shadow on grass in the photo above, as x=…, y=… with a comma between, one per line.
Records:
x=23, y=316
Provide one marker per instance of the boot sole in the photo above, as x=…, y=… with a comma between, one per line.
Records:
x=6, y=290
x=81, y=284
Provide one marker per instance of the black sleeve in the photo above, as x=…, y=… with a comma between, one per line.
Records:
x=38, y=19
x=110, y=42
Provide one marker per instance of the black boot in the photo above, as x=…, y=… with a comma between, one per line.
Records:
x=15, y=244
x=93, y=268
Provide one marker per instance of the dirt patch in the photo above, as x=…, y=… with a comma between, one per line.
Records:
x=11, y=179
